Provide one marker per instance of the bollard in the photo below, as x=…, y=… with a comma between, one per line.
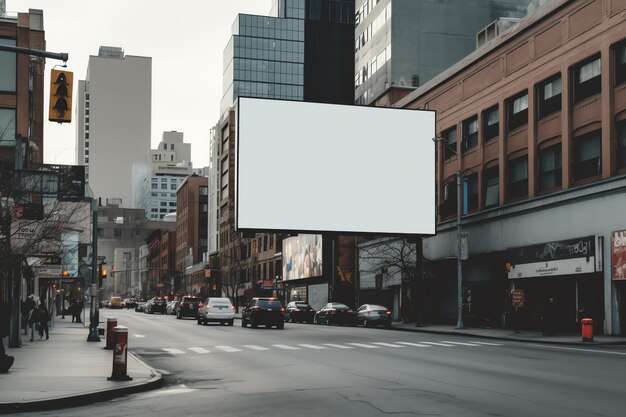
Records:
x=120, y=355
x=587, y=329
x=111, y=323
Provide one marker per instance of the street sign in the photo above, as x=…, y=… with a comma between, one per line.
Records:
x=48, y=271
x=517, y=298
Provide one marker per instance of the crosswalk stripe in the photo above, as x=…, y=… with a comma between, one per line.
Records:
x=255, y=347
x=338, y=346
x=436, y=344
x=228, y=349
x=286, y=347
x=487, y=343
x=174, y=351
x=413, y=344
x=199, y=350
x=139, y=335
x=459, y=343
x=311, y=346
x=364, y=345
x=387, y=344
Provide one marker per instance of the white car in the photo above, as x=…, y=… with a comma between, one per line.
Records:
x=218, y=309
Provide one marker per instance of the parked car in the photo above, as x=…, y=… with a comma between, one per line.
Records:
x=139, y=308
x=266, y=311
x=171, y=307
x=130, y=303
x=156, y=305
x=216, y=309
x=299, y=312
x=188, y=307
x=335, y=313
x=373, y=315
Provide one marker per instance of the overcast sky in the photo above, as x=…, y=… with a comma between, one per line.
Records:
x=185, y=39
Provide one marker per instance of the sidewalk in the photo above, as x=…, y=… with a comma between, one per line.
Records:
x=507, y=334
x=66, y=371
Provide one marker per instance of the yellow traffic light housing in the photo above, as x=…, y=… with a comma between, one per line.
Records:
x=66, y=274
x=61, y=96
x=103, y=274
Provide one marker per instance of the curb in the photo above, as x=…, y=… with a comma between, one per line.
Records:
x=85, y=398
x=511, y=339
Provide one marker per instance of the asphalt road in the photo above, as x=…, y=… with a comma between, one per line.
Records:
x=309, y=370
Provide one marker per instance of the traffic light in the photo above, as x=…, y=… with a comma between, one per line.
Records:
x=66, y=274
x=61, y=96
x=103, y=275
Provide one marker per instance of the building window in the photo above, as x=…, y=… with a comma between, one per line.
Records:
x=550, y=167
x=471, y=190
x=449, y=142
x=449, y=201
x=549, y=95
x=586, y=78
x=492, y=186
x=470, y=133
x=621, y=144
x=518, y=111
x=164, y=186
x=7, y=126
x=491, y=123
x=155, y=186
x=518, y=177
x=171, y=146
x=117, y=232
x=100, y=232
x=172, y=186
x=8, y=66
x=165, y=146
x=588, y=155
x=172, y=158
x=620, y=63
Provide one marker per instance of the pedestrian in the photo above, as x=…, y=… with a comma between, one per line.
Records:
x=44, y=316
x=5, y=321
x=76, y=310
x=24, y=317
x=31, y=305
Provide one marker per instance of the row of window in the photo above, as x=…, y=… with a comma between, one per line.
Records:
x=586, y=163
x=361, y=13
x=8, y=67
x=270, y=27
x=370, y=68
x=372, y=29
x=267, y=90
x=586, y=82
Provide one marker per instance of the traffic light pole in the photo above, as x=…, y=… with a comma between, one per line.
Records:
x=61, y=56
x=94, y=316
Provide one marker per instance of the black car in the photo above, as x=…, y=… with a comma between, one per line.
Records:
x=372, y=315
x=266, y=311
x=188, y=307
x=299, y=312
x=156, y=305
x=335, y=313
x=140, y=306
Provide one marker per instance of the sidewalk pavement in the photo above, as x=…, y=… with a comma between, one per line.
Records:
x=508, y=334
x=66, y=371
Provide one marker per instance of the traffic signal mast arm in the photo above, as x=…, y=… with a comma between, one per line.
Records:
x=61, y=56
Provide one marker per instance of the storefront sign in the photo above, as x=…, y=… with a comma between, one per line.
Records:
x=268, y=285
x=566, y=257
x=618, y=255
x=517, y=298
x=48, y=271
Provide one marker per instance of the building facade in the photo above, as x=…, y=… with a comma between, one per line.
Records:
x=534, y=123
x=113, y=113
x=405, y=43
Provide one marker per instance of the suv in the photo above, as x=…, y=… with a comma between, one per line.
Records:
x=188, y=307
x=267, y=311
x=216, y=309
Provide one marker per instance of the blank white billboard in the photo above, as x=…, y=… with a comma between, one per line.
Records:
x=312, y=167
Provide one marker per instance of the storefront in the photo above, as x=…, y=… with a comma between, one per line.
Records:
x=561, y=283
x=618, y=274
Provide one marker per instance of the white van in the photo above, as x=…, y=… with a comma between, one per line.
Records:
x=216, y=309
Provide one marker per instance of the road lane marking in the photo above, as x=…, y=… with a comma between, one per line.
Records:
x=364, y=345
x=580, y=349
x=338, y=346
x=286, y=347
x=413, y=344
x=436, y=344
x=487, y=343
x=459, y=343
x=311, y=346
x=139, y=335
x=199, y=350
x=174, y=351
x=387, y=344
x=228, y=349
x=255, y=347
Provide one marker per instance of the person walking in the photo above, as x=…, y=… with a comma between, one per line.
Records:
x=44, y=316
x=31, y=305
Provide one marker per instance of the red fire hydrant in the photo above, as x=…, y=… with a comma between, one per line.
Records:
x=120, y=355
x=587, y=325
x=111, y=323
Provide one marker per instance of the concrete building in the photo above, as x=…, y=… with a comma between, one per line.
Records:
x=113, y=121
x=156, y=180
x=405, y=43
x=535, y=123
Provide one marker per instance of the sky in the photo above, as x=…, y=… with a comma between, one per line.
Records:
x=185, y=38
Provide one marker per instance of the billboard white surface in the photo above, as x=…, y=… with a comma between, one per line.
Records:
x=314, y=167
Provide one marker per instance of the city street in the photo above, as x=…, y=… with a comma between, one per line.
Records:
x=314, y=370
